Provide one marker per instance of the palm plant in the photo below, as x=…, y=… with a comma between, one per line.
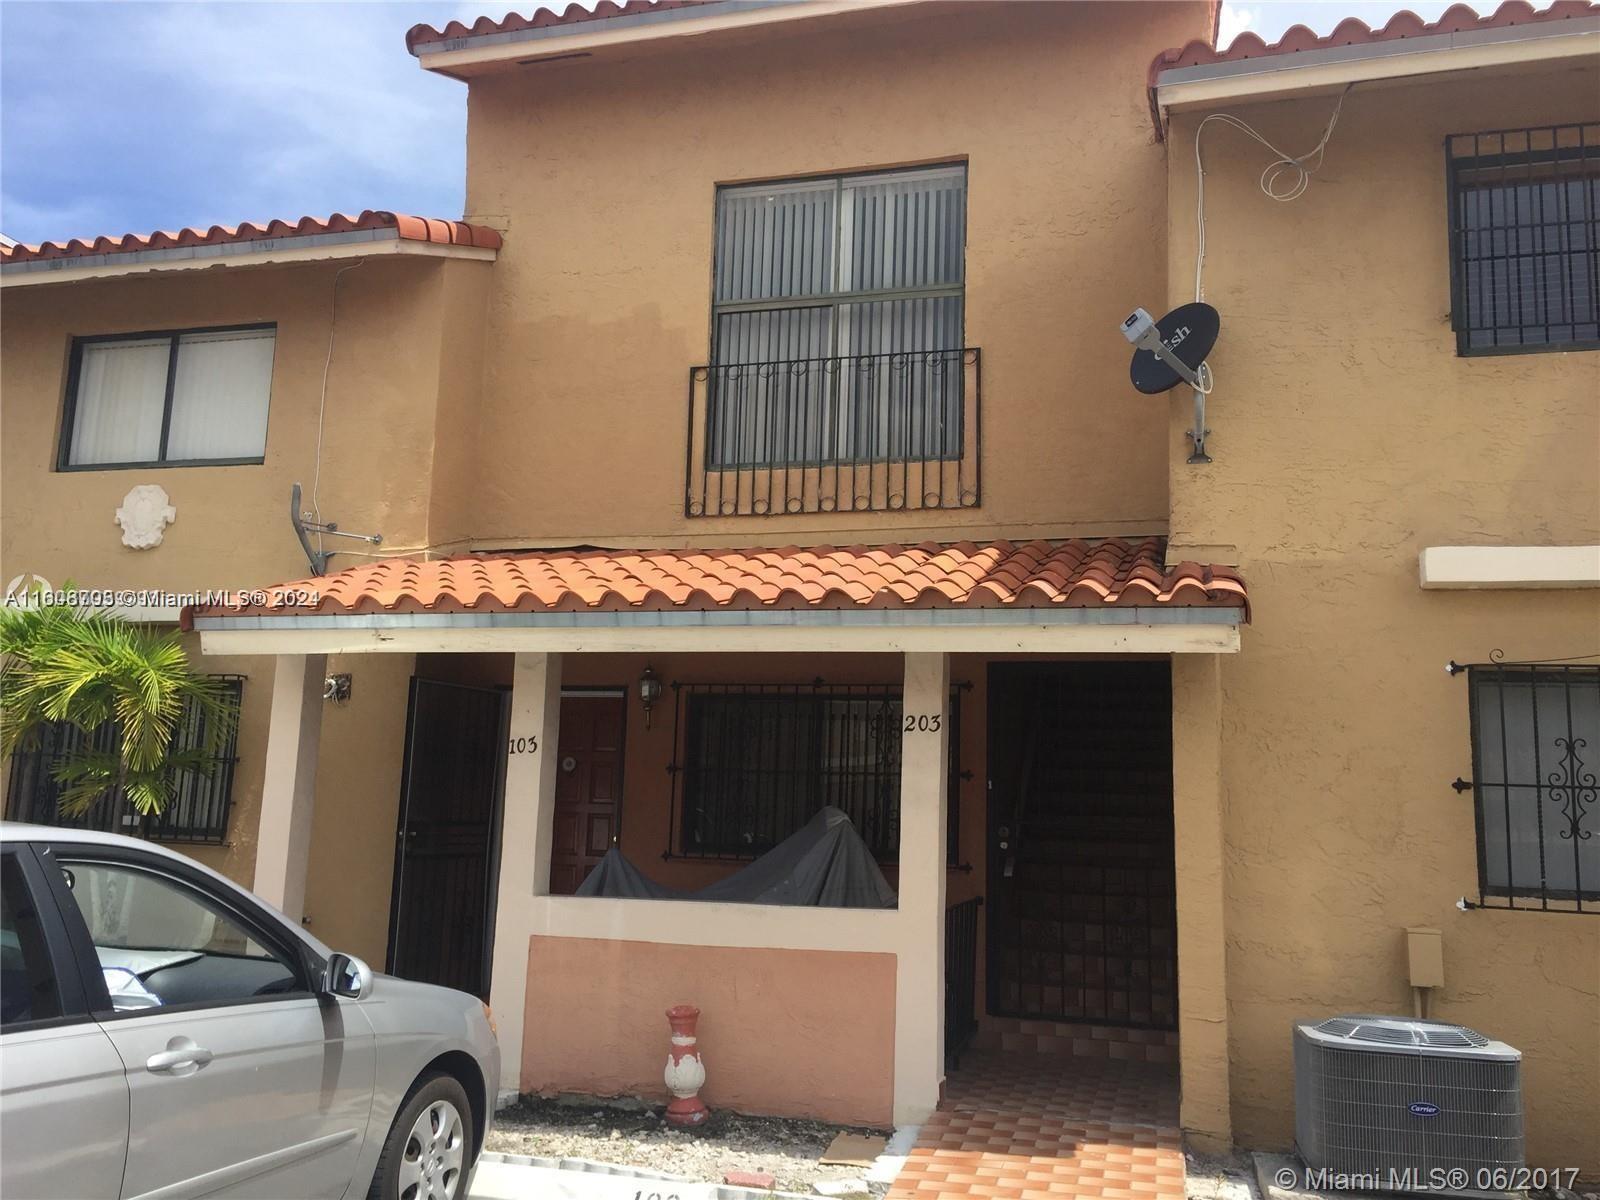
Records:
x=60, y=665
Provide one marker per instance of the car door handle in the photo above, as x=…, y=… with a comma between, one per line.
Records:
x=176, y=1057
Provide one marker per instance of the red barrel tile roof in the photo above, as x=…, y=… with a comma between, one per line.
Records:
x=1352, y=31
x=1082, y=574
x=573, y=14
x=412, y=229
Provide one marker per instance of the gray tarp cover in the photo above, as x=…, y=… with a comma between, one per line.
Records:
x=824, y=863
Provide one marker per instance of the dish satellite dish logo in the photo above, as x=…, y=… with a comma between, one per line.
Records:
x=1423, y=1108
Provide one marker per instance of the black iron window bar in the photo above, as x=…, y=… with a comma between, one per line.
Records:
x=960, y=978
x=1535, y=744
x=197, y=813
x=854, y=433
x=1525, y=238
x=752, y=763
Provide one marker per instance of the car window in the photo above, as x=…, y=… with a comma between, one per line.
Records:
x=161, y=942
x=28, y=990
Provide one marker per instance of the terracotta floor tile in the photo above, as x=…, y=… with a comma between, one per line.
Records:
x=1028, y=1126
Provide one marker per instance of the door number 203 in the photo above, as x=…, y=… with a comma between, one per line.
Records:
x=924, y=722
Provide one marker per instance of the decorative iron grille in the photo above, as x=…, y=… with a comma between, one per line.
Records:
x=1535, y=743
x=1525, y=239
x=198, y=812
x=960, y=978
x=755, y=762
x=858, y=433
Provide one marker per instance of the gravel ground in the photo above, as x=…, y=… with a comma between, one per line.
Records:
x=1219, y=1177
x=638, y=1137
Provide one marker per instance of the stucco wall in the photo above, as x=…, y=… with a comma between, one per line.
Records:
x=604, y=175
x=232, y=528
x=772, y=1040
x=1348, y=436
x=403, y=369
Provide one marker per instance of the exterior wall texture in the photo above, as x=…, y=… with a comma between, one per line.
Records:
x=1347, y=436
x=604, y=175
x=403, y=368
x=772, y=1040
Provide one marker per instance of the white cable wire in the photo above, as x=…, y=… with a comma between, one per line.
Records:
x=322, y=401
x=1297, y=169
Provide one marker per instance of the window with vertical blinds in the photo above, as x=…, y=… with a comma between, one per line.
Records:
x=199, y=396
x=836, y=304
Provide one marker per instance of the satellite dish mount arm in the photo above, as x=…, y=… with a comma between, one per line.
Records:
x=318, y=559
x=1145, y=334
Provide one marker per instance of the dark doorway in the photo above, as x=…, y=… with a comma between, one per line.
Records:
x=441, y=916
x=588, y=785
x=1082, y=918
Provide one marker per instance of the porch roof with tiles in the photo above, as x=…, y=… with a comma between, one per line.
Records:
x=1092, y=574
x=866, y=597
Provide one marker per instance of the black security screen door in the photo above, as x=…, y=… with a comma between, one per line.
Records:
x=1082, y=919
x=441, y=922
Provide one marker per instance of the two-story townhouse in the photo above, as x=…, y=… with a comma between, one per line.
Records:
x=1405, y=445
x=225, y=367
x=790, y=461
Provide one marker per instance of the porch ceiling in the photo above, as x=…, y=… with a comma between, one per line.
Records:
x=857, y=596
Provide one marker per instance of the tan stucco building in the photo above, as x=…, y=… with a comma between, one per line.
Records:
x=741, y=284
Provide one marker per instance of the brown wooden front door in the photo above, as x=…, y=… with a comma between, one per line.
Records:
x=588, y=785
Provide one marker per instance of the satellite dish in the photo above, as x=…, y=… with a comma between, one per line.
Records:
x=1186, y=334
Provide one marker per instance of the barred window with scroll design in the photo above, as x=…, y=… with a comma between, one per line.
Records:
x=1525, y=239
x=198, y=812
x=1535, y=746
x=760, y=760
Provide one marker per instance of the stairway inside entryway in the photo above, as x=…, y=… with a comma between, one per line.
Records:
x=1044, y=1109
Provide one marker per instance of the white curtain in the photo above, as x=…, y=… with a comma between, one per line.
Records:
x=121, y=390
x=220, y=394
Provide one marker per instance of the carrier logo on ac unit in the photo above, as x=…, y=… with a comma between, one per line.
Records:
x=1423, y=1108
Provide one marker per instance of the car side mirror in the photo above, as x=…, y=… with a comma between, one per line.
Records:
x=347, y=976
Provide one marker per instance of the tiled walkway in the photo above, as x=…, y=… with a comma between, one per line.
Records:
x=1020, y=1126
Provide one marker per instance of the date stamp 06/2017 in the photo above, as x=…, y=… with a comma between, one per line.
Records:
x=1496, y=1179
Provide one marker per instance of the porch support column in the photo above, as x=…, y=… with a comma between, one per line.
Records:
x=924, y=805
x=526, y=828
x=289, y=789
x=1198, y=811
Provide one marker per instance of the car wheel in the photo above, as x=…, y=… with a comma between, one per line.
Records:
x=427, y=1153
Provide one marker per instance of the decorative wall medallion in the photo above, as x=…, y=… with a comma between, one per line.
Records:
x=145, y=515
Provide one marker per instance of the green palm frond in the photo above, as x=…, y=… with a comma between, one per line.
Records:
x=58, y=665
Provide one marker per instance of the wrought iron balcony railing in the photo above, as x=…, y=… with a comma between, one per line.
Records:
x=858, y=433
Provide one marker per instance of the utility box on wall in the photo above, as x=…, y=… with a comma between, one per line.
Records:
x=1425, y=957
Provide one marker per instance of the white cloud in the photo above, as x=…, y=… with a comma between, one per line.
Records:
x=1235, y=19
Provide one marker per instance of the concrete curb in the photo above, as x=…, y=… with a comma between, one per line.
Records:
x=527, y=1177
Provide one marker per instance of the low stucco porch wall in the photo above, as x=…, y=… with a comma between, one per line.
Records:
x=805, y=1033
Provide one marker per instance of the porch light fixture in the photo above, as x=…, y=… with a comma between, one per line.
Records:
x=649, y=692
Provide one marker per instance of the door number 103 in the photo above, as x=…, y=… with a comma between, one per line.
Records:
x=523, y=745
x=924, y=722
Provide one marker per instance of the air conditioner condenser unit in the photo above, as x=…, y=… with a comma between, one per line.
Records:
x=1408, y=1105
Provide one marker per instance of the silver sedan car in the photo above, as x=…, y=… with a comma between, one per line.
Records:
x=164, y=1033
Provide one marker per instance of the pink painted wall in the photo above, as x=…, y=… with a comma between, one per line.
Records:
x=806, y=1033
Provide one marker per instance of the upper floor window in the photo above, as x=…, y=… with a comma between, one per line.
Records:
x=186, y=397
x=1525, y=239
x=1535, y=749
x=838, y=315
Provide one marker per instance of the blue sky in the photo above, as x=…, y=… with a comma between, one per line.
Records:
x=135, y=116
